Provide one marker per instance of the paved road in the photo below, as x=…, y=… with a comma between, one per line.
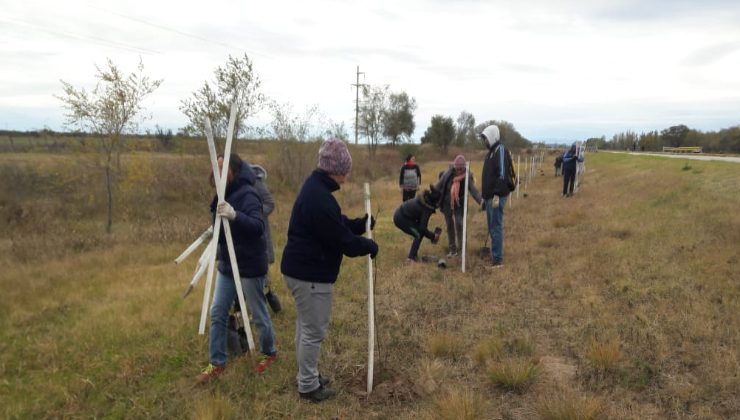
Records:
x=734, y=159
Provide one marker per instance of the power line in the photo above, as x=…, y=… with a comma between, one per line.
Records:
x=88, y=38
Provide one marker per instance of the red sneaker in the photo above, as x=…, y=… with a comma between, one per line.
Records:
x=265, y=362
x=209, y=373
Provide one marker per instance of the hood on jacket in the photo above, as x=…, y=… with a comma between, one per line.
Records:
x=491, y=135
x=259, y=172
x=245, y=176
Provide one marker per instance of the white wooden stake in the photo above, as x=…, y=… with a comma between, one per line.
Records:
x=216, y=230
x=518, y=166
x=189, y=250
x=370, y=299
x=238, y=285
x=200, y=268
x=465, y=214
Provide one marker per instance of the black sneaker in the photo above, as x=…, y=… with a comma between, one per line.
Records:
x=319, y=394
x=496, y=264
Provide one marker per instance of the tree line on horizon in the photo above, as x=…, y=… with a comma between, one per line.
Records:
x=726, y=140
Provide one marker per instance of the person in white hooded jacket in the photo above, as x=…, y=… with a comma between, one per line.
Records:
x=497, y=181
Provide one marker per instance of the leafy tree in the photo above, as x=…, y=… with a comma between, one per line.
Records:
x=465, y=129
x=108, y=111
x=441, y=132
x=236, y=81
x=596, y=142
x=398, y=118
x=674, y=136
x=372, y=112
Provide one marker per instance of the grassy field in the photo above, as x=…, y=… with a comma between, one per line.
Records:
x=621, y=302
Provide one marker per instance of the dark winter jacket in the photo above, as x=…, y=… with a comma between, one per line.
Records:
x=319, y=234
x=571, y=159
x=410, y=177
x=418, y=211
x=499, y=176
x=268, y=205
x=247, y=229
x=445, y=183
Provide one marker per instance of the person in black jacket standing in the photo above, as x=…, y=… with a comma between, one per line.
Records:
x=318, y=236
x=243, y=208
x=570, y=167
x=498, y=180
x=410, y=178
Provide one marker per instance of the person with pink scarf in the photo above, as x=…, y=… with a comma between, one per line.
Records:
x=452, y=187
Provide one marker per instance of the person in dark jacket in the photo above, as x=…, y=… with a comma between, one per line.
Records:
x=498, y=180
x=410, y=178
x=412, y=217
x=268, y=205
x=558, y=165
x=570, y=167
x=452, y=185
x=243, y=210
x=319, y=235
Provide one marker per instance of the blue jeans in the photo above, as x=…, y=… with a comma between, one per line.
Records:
x=223, y=298
x=495, y=217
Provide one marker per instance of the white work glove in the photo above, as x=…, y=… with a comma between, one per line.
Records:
x=224, y=209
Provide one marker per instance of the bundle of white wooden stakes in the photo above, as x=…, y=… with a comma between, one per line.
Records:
x=209, y=254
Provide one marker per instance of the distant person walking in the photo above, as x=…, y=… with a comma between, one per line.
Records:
x=570, y=166
x=452, y=186
x=559, y=165
x=318, y=236
x=410, y=178
x=412, y=217
x=243, y=209
x=498, y=180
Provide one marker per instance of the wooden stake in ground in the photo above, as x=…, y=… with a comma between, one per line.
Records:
x=465, y=214
x=518, y=165
x=370, y=298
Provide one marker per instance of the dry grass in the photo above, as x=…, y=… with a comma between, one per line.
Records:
x=458, y=405
x=445, y=346
x=515, y=375
x=488, y=349
x=604, y=356
x=644, y=257
x=569, y=406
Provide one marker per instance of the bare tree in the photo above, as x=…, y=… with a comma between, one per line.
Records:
x=109, y=111
x=236, y=81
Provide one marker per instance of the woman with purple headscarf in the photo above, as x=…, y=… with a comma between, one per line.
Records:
x=452, y=187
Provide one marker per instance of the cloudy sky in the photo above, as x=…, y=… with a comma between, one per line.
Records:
x=556, y=69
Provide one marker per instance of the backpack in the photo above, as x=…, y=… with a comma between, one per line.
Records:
x=505, y=181
x=410, y=178
x=236, y=337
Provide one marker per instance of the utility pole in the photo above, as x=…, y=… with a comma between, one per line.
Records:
x=357, y=101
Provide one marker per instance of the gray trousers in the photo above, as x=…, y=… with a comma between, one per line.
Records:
x=313, y=311
x=454, y=222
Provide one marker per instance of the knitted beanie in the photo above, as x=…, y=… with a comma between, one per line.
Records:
x=460, y=162
x=334, y=157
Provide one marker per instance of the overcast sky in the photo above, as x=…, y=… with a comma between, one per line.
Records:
x=556, y=69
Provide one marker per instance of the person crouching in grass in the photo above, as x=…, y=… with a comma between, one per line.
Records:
x=412, y=217
x=318, y=236
x=243, y=209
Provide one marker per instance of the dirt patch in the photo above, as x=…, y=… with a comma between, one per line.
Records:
x=389, y=387
x=558, y=370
